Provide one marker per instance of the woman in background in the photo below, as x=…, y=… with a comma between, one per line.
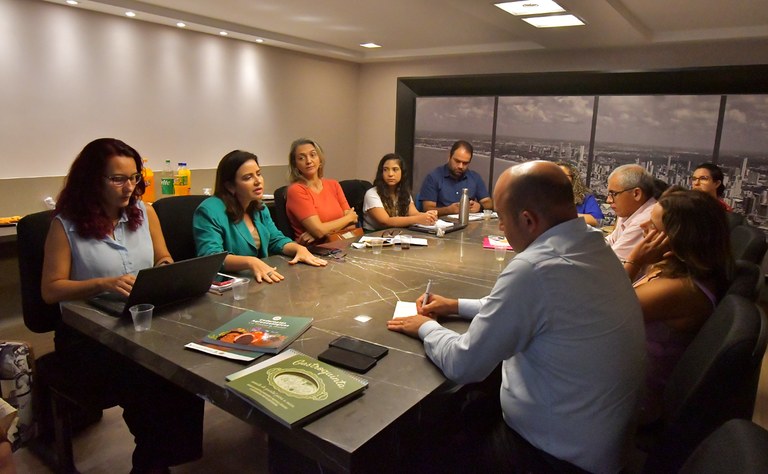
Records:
x=686, y=260
x=235, y=220
x=708, y=178
x=389, y=203
x=586, y=204
x=102, y=235
x=316, y=206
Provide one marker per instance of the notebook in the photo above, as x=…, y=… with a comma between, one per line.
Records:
x=164, y=285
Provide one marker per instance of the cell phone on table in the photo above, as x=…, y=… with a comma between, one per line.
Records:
x=347, y=359
x=361, y=347
x=222, y=280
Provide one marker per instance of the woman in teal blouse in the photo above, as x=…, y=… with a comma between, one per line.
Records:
x=235, y=220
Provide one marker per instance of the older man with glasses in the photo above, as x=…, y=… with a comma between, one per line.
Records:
x=630, y=194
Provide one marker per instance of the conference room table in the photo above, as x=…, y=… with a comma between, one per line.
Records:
x=353, y=296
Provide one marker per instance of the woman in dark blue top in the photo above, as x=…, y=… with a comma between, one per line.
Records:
x=586, y=204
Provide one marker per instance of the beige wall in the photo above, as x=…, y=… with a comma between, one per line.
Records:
x=69, y=76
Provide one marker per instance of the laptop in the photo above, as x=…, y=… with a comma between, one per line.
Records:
x=164, y=285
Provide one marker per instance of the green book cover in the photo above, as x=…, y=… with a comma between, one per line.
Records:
x=259, y=332
x=294, y=388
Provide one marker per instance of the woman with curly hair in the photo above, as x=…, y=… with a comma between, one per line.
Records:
x=388, y=203
x=101, y=236
x=685, y=262
x=586, y=204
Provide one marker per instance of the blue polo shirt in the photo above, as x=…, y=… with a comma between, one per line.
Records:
x=441, y=187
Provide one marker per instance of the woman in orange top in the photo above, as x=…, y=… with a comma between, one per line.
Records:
x=316, y=206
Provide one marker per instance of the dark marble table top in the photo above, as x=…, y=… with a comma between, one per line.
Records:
x=362, y=284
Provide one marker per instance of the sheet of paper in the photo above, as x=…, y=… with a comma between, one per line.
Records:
x=439, y=223
x=404, y=308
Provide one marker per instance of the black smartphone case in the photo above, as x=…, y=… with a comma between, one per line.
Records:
x=361, y=347
x=346, y=359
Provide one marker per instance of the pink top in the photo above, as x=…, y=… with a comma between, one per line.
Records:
x=302, y=202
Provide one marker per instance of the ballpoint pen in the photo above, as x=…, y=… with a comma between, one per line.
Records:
x=426, y=292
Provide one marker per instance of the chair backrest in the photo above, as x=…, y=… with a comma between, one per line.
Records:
x=735, y=219
x=714, y=381
x=31, y=232
x=737, y=446
x=748, y=243
x=747, y=280
x=354, y=191
x=280, y=216
x=175, y=214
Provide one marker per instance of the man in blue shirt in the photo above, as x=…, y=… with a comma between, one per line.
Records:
x=565, y=324
x=442, y=187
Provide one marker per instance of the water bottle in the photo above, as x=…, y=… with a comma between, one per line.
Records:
x=464, y=207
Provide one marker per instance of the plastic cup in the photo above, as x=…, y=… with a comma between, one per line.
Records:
x=142, y=316
x=487, y=214
x=240, y=288
x=500, y=252
x=376, y=244
x=405, y=242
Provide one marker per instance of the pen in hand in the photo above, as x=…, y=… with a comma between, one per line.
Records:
x=427, y=291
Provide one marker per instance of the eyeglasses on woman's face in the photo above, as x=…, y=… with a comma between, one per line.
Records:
x=703, y=179
x=119, y=180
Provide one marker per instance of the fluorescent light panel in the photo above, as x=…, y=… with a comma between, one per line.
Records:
x=530, y=7
x=553, y=21
x=370, y=45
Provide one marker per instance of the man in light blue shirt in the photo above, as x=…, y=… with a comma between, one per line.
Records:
x=564, y=321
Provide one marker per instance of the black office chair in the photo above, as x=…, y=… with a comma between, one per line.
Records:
x=354, y=191
x=748, y=243
x=737, y=446
x=57, y=394
x=714, y=381
x=735, y=219
x=175, y=214
x=280, y=216
x=747, y=280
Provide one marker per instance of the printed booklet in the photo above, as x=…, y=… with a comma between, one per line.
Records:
x=259, y=332
x=294, y=388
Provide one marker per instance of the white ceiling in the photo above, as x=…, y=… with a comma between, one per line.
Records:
x=411, y=29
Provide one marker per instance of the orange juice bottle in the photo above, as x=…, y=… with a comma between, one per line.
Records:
x=182, y=180
x=149, y=183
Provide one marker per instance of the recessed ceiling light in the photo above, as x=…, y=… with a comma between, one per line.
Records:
x=370, y=45
x=223, y=33
x=259, y=40
x=531, y=7
x=130, y=14
x=553, y=21
x=181, y=24
x=72, y=2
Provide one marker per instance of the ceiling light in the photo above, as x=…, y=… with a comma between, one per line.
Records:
x=370, y=45
x=530, y=7
x=223, y=33
x=72, y=2
x=130, y=14
x=181, y=24
x=259, y=40
x=553, y=21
